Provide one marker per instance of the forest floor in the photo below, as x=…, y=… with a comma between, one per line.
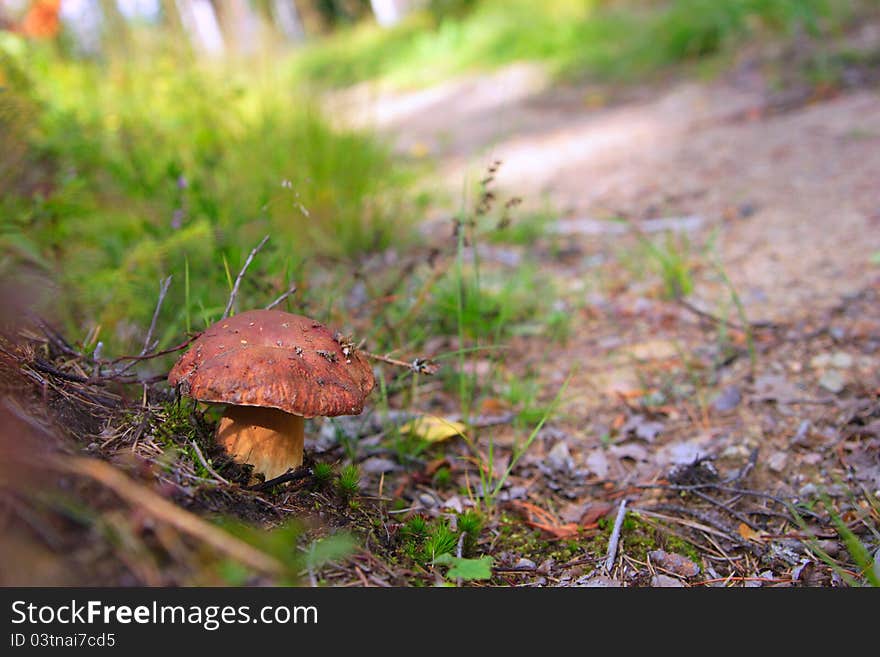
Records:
x=775, y=194
x=712, y=247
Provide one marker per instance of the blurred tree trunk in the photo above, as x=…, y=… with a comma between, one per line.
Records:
x=288, y=21
x=115, y=28
x=390, y=12
x=236, y=24
x=313, y=21
x=270, y=33
x=201, y=25
x=172, y=19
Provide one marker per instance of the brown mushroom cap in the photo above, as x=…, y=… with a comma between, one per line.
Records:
x=274, y=359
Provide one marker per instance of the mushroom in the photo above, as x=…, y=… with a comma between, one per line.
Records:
x=272, y=369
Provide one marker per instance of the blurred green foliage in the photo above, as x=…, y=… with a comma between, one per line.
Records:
x=117, y=174
x=611, y=39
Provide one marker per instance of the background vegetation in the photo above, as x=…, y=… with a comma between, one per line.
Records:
x=146, y=158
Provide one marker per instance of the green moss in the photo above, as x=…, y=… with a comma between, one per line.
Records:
x=174, y=424
x=517, y=538
x=348, y=481
x=443, y=477
x=682, y=547
x=638, y=539
x=440, y=540
x=322, y=473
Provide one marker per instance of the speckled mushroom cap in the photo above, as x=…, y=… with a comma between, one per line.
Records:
x=275, y=359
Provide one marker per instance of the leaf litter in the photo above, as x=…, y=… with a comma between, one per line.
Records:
x=733, y=468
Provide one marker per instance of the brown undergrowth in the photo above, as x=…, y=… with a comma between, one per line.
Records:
x=113, y=480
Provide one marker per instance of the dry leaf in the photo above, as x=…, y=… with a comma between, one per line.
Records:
x=750, y=534
x=675, y=563
x=433, y=428
x=545, y=521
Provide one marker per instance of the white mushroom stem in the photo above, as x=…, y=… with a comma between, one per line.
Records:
x=269, y=439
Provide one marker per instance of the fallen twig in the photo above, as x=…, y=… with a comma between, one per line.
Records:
x=615, y=537
x=42, y=366
x=458, y=552
x=291, y=290
x=163, y=292
x=164, y=352
x=721, y=505
x=687, y=305
x=146, y=500
x=682, y=521
x=206, y=465
x=301, y=472
x=149, y=346
x=747, y=468
x=235, y=286
x=55, y=338
x=418, y=365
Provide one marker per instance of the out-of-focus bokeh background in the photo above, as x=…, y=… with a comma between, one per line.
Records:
x=680, y=197
x=146, y=138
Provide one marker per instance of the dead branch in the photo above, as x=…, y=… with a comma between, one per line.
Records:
x=56, y=339
x=418, y=365
x=44, y=367
x=148, y=341
x=235, y=286
x=165, y=352
x=691, y=308
x=145, y=499
x=291, y=475
x=291, y=290
x=727, y=509
x=163, y=292
x=615, y=537
x=207, y=465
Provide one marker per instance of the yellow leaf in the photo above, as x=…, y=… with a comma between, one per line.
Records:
x=433, y=428
x=750, y=534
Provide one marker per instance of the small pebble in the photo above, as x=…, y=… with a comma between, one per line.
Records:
x=728, y=399
x=735, y=452
x=427, y=500
x=777, y=461
x=377, y=465
x=599, y=581
x=560, y=458
x=808, y=490
x=831, y=548
x=832, y=381
x=666, y=582
x=454, y=503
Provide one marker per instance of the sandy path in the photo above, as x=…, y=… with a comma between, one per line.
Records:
x=811, y=175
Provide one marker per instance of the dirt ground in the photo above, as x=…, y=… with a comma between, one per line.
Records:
x=707, y=421
x=782, y=193
x=808, y=174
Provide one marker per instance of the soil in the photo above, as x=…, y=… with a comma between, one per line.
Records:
x=778, y=193
x=708, y=420
x=805, y=174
